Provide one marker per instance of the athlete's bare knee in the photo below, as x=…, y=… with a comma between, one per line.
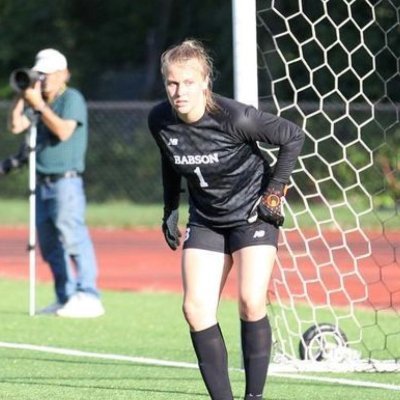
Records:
x=192, y=312
x=198, y=316
x=251, y=310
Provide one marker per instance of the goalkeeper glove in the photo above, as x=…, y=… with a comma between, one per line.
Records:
x=170, y=228
x=269, y=207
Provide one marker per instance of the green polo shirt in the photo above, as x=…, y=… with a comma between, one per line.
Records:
x=54, y=156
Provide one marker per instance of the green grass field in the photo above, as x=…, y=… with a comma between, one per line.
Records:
x=125, y=214
x=119, y=214
x=148, y=325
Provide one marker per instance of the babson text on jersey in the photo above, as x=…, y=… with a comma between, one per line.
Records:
x=197, y=159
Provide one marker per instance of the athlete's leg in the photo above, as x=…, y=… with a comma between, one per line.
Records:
x=204, y=274
x=254, y=267
x=255, y=264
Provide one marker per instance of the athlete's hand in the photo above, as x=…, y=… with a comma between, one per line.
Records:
x=269, y=206
x=170, y=228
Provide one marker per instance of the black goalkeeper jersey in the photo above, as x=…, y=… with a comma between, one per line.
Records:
x=220, y=159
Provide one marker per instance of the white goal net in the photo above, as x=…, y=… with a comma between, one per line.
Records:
x=332, y=66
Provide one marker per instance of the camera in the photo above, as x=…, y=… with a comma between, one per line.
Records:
x=23, y=78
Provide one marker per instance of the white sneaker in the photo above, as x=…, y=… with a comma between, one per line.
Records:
x=81, y=305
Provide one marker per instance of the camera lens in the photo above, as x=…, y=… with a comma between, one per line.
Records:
x=22, y=80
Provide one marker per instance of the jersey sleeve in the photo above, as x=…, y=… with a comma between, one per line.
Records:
x=171, y=184
x=171, y=179
x=255, y=125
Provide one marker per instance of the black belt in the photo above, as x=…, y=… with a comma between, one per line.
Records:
x=45, y=178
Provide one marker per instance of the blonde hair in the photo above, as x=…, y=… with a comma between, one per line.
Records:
x=192, y=49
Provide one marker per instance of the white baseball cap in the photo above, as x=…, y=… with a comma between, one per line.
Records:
x=49, y=61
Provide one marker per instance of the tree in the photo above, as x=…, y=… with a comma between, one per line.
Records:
x=103, y=38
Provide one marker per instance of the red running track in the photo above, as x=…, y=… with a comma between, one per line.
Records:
x=333, y=268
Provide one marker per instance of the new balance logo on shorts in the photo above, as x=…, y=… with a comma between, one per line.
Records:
x=173, y=142
x=187, y=234
x=259, y=234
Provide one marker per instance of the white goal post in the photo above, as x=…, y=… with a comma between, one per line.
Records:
x=332, y=67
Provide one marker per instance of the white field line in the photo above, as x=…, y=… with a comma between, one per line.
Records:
x=179, y=364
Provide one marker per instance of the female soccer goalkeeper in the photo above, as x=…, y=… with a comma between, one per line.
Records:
x=235, y=208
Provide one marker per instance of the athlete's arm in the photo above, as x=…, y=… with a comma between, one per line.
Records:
x=172, y=189
x=171, y=180
x=171, y=184
x=255, y=125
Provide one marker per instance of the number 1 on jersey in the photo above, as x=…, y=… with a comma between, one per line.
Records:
x=203, y=183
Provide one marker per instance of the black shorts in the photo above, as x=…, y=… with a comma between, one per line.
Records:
x=229, y=240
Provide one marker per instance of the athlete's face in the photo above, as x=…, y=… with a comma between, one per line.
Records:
x=186, y=87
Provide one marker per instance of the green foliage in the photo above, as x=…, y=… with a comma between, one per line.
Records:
x=351, y=165
x=123, y=168
x=102, y=38
x=339, y=28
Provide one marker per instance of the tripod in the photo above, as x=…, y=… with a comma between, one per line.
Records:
x=32, y=138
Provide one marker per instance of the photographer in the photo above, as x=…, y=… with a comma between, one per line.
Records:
x=62, y=134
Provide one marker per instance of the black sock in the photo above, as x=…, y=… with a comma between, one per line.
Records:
x=256, y=347
x=212, y=356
